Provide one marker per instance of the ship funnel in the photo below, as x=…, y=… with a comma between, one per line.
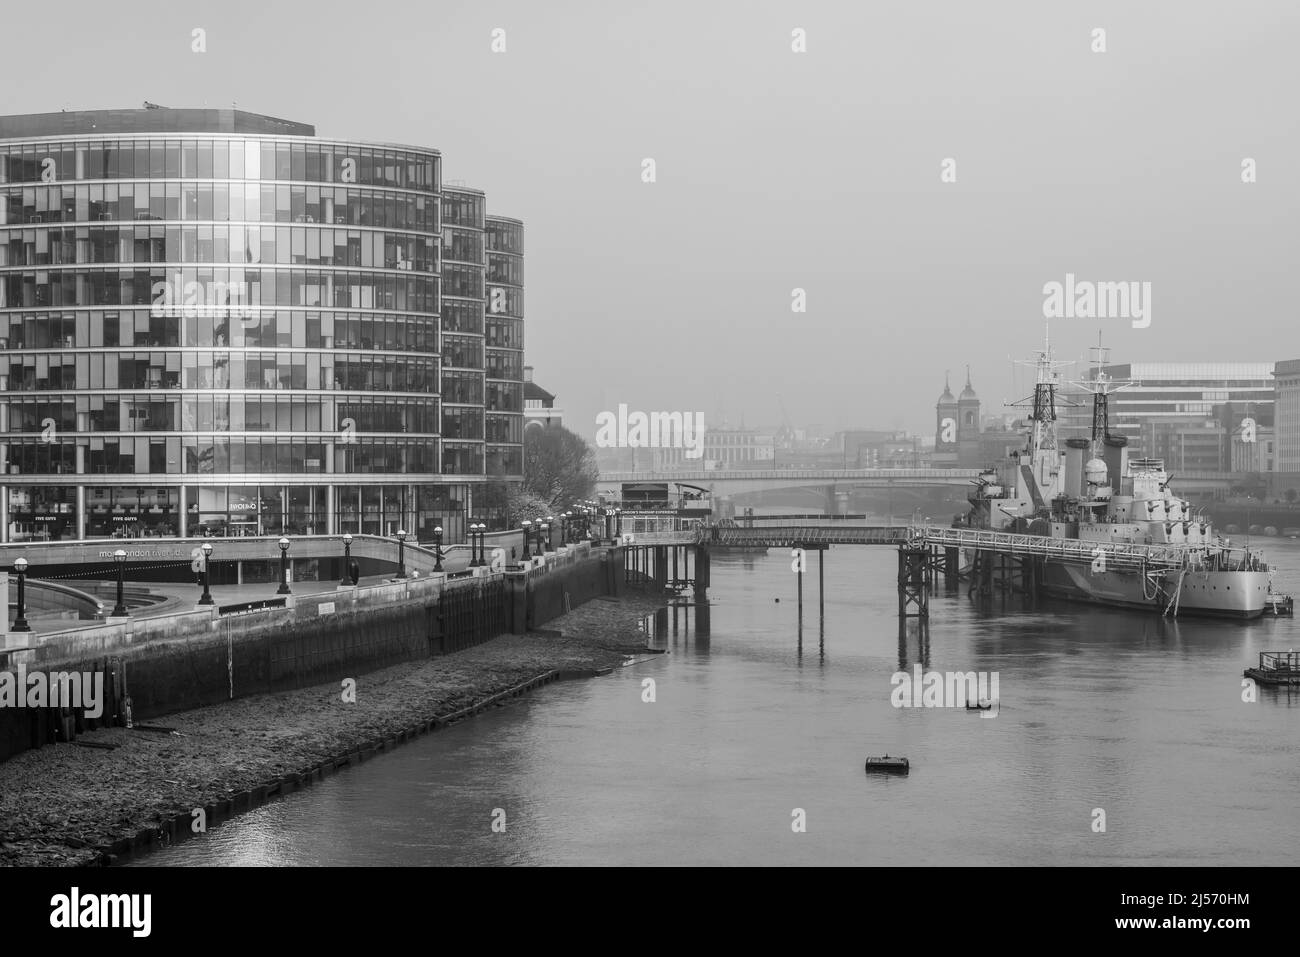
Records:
x=1094, y=471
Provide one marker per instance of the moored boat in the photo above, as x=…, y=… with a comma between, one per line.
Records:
x=888, y=765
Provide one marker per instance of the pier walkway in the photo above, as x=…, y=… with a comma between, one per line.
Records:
x=1120, y=555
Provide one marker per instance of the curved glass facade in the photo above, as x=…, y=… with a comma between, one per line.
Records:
x=225, y=329
x=504, y=346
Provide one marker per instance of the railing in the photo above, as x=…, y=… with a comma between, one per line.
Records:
x=951, y=476
x=792, y=535
x=1125, y=555
x=685, y=536
x=248, y=607
x=1287, y=662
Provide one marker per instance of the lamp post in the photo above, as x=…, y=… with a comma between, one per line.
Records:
x=206, y=598
x=475, y=544
x=437, y=549
x=550, y=533
x=482, y=543
x=401, y=553
x=618, y=524
x=527, y=527
x=20, y=623
x=540, y=533
x=284, y=568
x=119, y=559
x=347, y=560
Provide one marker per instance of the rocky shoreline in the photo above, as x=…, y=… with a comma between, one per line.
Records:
x=71, y=804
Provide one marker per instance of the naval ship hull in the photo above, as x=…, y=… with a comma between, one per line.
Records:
x=1217, y=594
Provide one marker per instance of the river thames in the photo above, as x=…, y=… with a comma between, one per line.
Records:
x=1122, y=712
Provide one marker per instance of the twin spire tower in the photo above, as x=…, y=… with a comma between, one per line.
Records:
x=957, y=427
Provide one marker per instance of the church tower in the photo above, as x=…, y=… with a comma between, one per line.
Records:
x=968, y=426
x=946, y=419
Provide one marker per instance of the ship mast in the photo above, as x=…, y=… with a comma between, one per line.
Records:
x=1101, y=385
x=1042, y=434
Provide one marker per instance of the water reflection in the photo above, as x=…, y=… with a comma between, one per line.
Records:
x=682, y=624
x=1131, y=712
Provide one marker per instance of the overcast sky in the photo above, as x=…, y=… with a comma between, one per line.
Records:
x=777, y=170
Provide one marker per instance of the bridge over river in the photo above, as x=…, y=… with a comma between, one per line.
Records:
x=728, y=482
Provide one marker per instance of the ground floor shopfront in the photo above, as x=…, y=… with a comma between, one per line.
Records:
x=68, y=512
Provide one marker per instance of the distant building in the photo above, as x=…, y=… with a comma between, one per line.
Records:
x=723, y=448
x=539, y=405
x=957, y=428
x=1172, y=408
x=1286, y=386
x=868, y=449
x=945, y=428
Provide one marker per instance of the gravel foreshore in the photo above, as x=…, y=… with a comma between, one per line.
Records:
x=65, y=805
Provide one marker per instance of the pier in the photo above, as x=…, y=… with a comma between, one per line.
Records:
x=999, y=564
x=1276, y=668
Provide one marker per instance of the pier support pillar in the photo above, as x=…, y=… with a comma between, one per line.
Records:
x=821, y=588
x=701, y=572
x=799, y=577
x=913, y=591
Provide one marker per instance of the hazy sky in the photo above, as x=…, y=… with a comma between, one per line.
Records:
x=778, y=170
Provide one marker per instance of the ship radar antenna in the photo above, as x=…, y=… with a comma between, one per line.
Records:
x=1100, y=384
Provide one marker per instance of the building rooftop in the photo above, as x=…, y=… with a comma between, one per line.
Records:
x=1189, y=370
x=152, y=119
x=534, y=391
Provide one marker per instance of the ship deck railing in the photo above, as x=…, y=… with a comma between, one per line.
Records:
x=1120, y=555
x=1285, y=662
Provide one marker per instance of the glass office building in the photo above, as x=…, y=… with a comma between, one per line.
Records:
x=1177, y=410
x=505, y=346
x=215, y=319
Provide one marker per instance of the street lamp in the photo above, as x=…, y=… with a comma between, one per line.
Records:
x=541, y=531
x=284, y=567
x=206, y=598
x=401, y=553
x=527, y=526
x=437, y=548
x=347, y=560
x=119, y=558
x=474, y=544
x=618, y=520
x=20, y=623
x=550, y=533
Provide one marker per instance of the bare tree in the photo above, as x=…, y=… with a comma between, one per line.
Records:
x=559, y=467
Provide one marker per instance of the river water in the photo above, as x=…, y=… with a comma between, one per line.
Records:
x=1121, y=712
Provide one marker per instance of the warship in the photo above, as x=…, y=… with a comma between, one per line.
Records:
x=1110, y=527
